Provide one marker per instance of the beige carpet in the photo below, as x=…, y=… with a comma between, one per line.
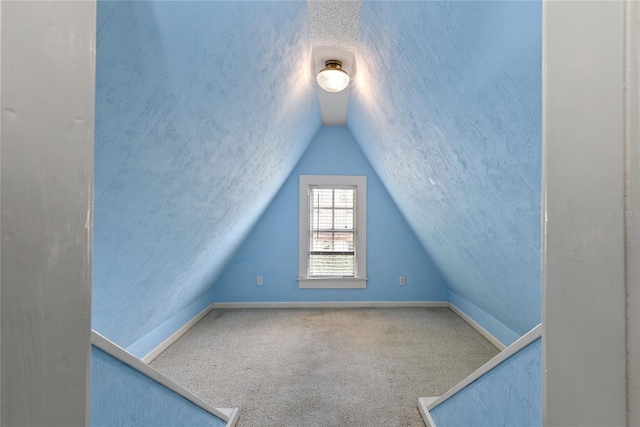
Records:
x=325, y=367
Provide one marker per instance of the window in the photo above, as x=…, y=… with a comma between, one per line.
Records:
x=332, y=231
x=332, y=234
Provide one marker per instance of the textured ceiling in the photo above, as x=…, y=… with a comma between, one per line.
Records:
x=204, y=108
x=447, y=107
x=333, y=27
x=334, y=24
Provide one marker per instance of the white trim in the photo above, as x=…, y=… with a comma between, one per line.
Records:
x=524, y=341
x=331, y=283
x=175, y=336
x=129, y=359
x=331, y=304
x=423, y=406
x=148, y=358
x=360, y=182
x=232, y=413
x=475, y=325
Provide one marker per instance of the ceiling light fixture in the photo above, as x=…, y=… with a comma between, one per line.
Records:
x=332, y=77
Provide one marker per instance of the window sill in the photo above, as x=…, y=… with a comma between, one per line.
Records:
x=332, y=283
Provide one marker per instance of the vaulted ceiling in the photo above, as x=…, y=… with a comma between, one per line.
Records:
x=204, y=108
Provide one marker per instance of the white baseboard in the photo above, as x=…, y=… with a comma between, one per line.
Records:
x=232, y=413
x=129, y=359
x=148, y=358
x=475, y=325
x=319, y=304
x=175, y=336
x=331, y=304
x=524, y=341
x=423, y=406
x=426, y=404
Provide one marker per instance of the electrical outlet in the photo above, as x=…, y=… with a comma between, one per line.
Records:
x=259, y=280
x=402, y=281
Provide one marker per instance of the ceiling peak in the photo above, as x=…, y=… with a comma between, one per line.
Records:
x=333, y=27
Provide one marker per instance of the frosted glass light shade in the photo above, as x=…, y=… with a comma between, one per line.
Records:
x=332, y=77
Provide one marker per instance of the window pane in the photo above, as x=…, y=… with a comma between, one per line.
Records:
x=321, y=241
x=331, y=265
x=332, y=210
x=344, y=197
x=332, y=242
x=343, y=219
x=321, y=219
x=321, y=197
x=343, y=242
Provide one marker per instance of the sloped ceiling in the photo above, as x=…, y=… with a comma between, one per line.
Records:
x=204, y=108
x=447, y=107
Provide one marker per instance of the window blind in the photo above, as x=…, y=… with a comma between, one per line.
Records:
x=332, y=231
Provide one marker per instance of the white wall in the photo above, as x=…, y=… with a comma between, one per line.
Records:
x=632, y=117
x=588, y=155
x=48, y=55
x=0, y=209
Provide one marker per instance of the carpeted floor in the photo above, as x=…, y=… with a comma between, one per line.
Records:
x=325, y=367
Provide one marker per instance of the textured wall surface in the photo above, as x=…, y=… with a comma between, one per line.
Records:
x=447, y=107
x=271, y=250
x=508, y=395
x=202, y=111
x=122, y=396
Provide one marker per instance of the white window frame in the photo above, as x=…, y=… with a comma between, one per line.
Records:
x=360, y=279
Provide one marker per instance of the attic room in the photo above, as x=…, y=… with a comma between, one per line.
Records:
x=194, y=132
x=207, y=113
x=203, y=110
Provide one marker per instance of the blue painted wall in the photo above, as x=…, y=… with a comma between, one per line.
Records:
x=508, y=395
x=271, y=249
x=151, y=339
x=446, y=104
x=121, y=396
x=202, y=111
x=499, y=330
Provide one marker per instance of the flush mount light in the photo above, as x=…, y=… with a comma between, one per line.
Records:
x=332, y=77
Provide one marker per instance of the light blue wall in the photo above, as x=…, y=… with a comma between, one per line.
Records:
x=151, y=339
x=202, y=111
x=121, y=396
x=508, y=395
x=496, y=328
x=446, y=104
x=271, y=249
